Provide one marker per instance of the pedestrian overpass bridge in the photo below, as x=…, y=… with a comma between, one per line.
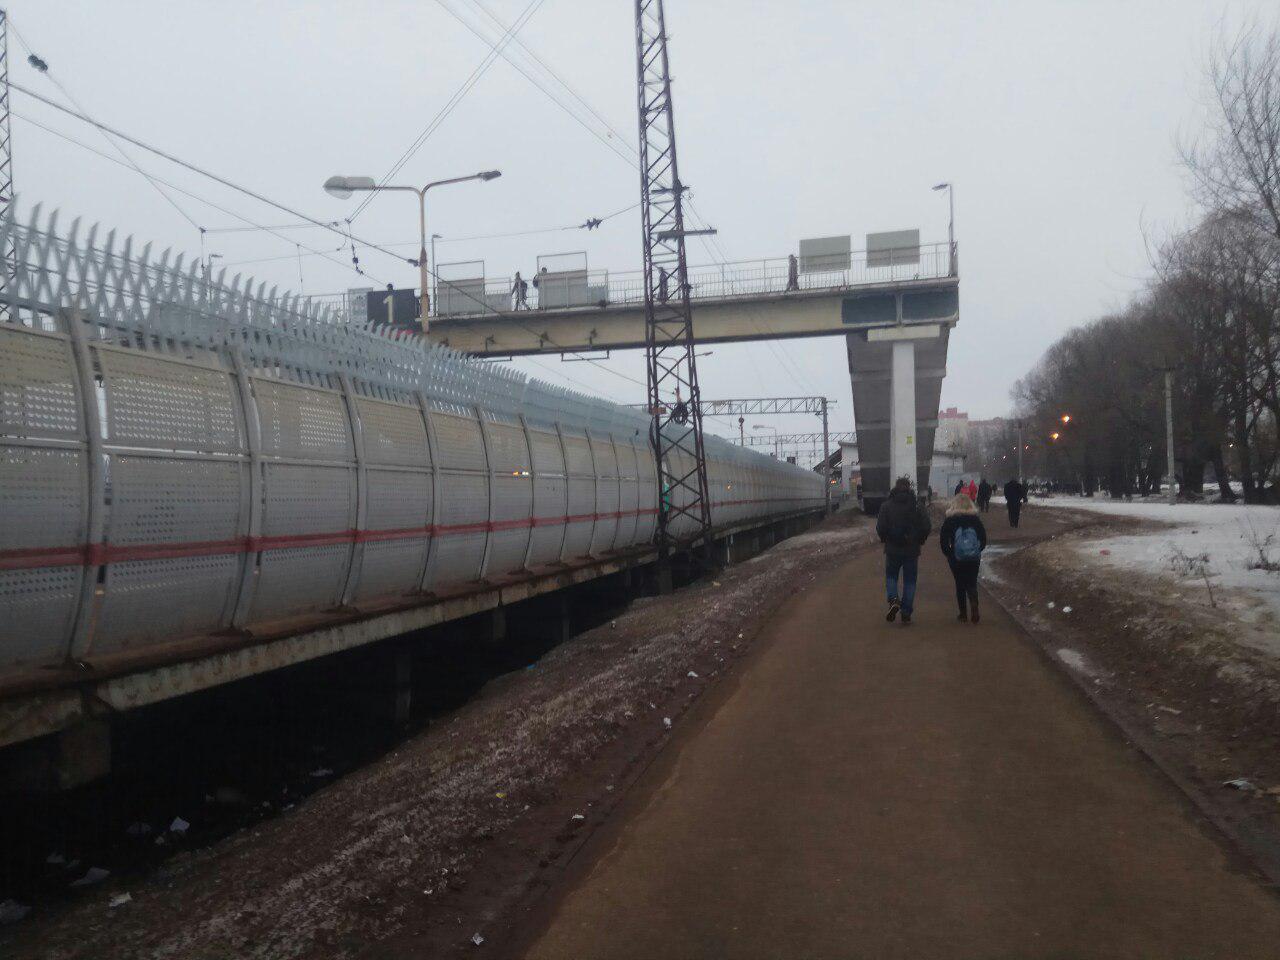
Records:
x=895, y=312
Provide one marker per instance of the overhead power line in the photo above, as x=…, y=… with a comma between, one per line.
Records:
x=450, y=104
x=172, y=186
x=348, y=235
x=43, y=68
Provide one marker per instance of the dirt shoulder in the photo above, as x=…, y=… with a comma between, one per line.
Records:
x=440, y=839
x=1180, y=675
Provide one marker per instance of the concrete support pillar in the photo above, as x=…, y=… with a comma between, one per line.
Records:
x=561, y=619
x=902, y=413
x=402, y=683
x=61, y=761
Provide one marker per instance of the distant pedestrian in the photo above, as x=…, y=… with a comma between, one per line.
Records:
x=903, y=527
x=664, y=279
x=984, y=495
x=963, y=538
x=793, y=273
x=520, y=290
x=1015, y=494
x=971, y=490
x=959, y=488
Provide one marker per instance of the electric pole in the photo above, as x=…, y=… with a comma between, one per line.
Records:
x=676, y=429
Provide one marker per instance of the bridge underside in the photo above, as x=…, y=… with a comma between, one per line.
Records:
x=769, y=316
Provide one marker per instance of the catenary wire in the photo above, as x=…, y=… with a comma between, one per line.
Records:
x=450, y=105
x=80, y=115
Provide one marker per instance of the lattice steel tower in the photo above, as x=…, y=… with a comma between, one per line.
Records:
x=674, y=400
x=8, y=254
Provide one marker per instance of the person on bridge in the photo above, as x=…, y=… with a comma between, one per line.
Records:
x=520, y=290
x=664, y=279
x=903, y=527
x=1015, y=495
x=793, y=273
x=963, y=538
x=984, y=495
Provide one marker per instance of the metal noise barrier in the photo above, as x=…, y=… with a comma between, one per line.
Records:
x=182, y=454
x=122, y=294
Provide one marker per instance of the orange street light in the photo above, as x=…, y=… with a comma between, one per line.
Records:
x=1066, y=418
x=1054, y=436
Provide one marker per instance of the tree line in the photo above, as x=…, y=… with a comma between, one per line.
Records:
x=1210, y=315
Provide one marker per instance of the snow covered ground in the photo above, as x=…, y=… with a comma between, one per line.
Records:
x=1208, y=550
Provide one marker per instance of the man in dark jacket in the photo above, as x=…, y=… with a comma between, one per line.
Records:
x=903, y=527
x=1015, y=495
x=984, y=495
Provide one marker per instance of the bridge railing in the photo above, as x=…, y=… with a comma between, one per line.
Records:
x=596, y=289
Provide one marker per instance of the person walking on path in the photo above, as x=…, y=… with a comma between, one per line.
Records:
x=984, y=495
x=972, y=490
x=520, y=290
x=903, y=527
x=1015, y=494
x=963, y=538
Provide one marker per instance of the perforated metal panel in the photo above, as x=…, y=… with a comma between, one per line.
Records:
x=578, y=457
x=398, y=501
x=157, y=600
x=302, y=422
x=508, y=451
x=307, y=499
x=458, y=442
x=157, y=402
x=42, y=492
x=547, y=458
x=457, y=553
x=607, y=494
x=299, y=580
x=628, y=494
x=42, y=507
x=393, y=434
x=37, y=608
x=38, y=395
x=171, y=500
x=390, y=568
x=582, y=503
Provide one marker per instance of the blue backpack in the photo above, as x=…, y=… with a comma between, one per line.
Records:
x=968, y=546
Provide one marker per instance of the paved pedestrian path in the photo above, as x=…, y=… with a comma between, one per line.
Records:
x=863, y=790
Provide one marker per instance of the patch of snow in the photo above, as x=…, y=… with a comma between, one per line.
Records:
x=1222, y=545
x=1075, y=660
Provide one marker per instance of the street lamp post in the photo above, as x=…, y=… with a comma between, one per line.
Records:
x=343, y=187
x=435, y=269
x=951, y=224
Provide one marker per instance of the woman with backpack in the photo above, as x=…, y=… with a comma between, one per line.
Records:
x=963, y=538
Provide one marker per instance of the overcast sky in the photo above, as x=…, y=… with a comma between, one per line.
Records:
x=796, y=118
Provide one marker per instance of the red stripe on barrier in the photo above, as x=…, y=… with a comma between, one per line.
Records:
x=101, y=553
x=42, y=557
x=98, y=554
x=285, y=542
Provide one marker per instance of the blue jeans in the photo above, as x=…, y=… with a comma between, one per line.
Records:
x=910, y=568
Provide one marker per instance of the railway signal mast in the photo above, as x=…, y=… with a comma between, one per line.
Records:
x=674, y=400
